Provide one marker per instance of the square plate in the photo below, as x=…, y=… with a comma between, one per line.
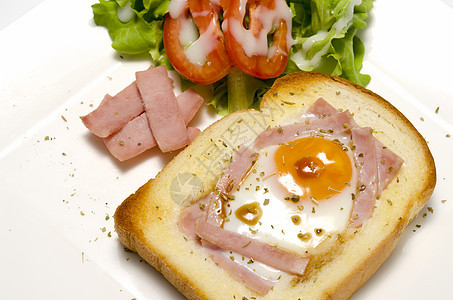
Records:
x=60, y=187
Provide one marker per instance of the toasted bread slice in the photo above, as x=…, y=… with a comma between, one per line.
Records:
x=147, y=221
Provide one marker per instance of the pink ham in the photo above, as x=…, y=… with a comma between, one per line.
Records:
x=336, y=123
x=189, y=102
x=190, y=215
x=376, y=166
x=267, y=254
x=367, y=181
x=242, y=161
x=321, y=108
x=164, y=115
x=136, y=137
x=388, y=164
x=133, y=139
x=114, y=112
x=252, y=280
x=240, y=165
x=192, y=132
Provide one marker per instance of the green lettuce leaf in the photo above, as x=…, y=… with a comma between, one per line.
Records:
x=325, y=34
x=143, y=33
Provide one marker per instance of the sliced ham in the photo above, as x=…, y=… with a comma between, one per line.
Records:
x=193, y=132
x=164, y=115
x=388, y=165
x=321, y=108
x=367, y=181
x=189, y=102
x=267, y=254
x=376, y=166
x=114, y=112
x=133, y=139
x=240, y=165
x=192, y=213
x=238, y=168
x=335, y=124
x=136, y=136
x=251, y=279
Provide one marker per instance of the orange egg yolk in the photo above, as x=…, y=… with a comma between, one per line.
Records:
x=313, y=167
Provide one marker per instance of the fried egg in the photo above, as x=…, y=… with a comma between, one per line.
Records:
x=297, y=194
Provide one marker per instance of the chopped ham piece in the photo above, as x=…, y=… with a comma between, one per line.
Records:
x=189, y=102
x=251, y=279
x=365, y=160
x=242, y=162
x=193, y=132
x=376, y=166
x=336, y=123
x=134, y=138
x=240, y=165
x=114, y=112
x=216, y=211
x=267, y=254
x=164, y=115
x=190, y=214
x=388, y=164
x=321, y=108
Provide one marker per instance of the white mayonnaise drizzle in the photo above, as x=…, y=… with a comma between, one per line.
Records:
x=197, y=46
x=125, y=14
x=198, y=50
x=176, y=8
x=341, y=24
x=269, y=18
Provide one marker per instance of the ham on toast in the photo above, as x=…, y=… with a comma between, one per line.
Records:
x=156, y=220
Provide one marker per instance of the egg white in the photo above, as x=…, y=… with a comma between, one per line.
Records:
x=321, y=219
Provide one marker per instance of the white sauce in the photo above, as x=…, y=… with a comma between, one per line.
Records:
x=198, y=51
x=269, y=19
x=188, y=33
x=176, y=8
x=125, y=14
x=340, y=26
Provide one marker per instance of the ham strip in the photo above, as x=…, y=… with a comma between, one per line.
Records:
x=376, y=166
x=336, y=123
x=191, y=214
x=252, y=280
x=133, y=139
x=269, y=255
x=136, y=136
x=367, y=181
x=189, y=102
x=388, y=165
x=114, y=112
x=240, y=165
x=321, y=108
x=164, y=115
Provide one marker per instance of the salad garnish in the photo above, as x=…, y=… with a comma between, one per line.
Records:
x=323, y=37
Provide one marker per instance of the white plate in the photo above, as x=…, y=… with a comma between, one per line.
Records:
x=59, y=187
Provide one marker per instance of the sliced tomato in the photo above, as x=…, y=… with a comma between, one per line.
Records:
x=217, y=63
x=260, y=65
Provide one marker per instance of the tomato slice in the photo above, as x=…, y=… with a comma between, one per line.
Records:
x=199, y=67
x=266, y=62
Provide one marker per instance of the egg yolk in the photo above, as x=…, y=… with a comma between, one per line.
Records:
x=313, y=167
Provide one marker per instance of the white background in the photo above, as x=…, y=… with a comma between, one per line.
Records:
x=59, y=187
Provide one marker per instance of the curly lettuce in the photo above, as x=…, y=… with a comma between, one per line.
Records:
x=325, y=34
x=141, y=33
